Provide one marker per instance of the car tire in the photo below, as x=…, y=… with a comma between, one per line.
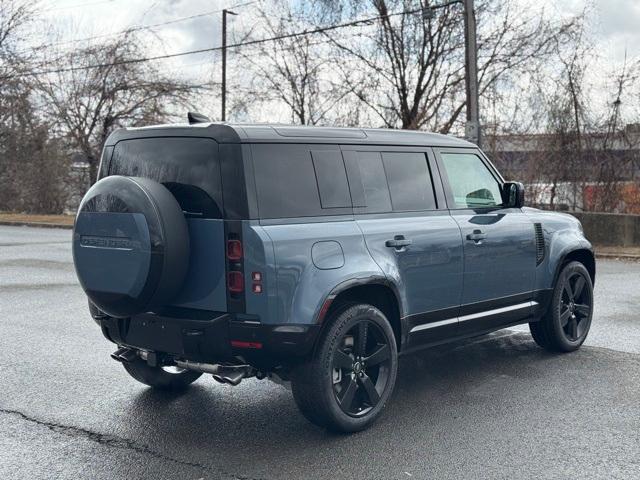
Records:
x=131, y=246
x=167, y=378
x=346, y=383
x=565, y=325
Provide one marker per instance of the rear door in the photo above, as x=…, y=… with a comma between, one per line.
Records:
x=189, y=167
x=499, y=243
x=410, y=234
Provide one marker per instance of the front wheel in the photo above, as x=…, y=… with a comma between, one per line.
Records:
x=161, y=378
x=350, y=377
x=566, y=324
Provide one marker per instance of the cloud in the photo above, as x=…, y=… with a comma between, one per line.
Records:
x=618, y=26
x=619, y=17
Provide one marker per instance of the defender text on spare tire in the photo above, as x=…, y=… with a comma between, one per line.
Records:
x=316, y=256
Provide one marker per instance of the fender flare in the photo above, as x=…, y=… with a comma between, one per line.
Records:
x=357, y=282
x=563, y=259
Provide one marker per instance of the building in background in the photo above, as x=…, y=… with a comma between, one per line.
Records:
x=592, y=172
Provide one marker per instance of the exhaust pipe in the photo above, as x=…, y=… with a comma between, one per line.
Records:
x=124, y=355
x=212, y=368
x=229, y=374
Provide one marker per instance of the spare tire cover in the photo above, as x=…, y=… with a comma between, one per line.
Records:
x=130, y=245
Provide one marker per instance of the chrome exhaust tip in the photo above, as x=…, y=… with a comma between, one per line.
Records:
x=124, y=355
x=229, y=374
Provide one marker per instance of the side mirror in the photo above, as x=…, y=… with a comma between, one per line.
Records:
x=513, y=194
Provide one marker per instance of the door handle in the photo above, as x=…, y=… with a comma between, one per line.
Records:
x=398, y=242
x=477, y=236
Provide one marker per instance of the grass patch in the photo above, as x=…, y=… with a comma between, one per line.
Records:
x=44, y=219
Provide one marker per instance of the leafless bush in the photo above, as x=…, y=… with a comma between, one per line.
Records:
x=33, y=165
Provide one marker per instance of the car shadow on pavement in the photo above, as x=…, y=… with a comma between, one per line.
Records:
x=212, y=423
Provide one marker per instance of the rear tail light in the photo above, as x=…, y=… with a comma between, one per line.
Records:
x=234, y=253
x=234, y=249
x=235, y=282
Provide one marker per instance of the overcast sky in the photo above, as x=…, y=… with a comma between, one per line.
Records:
x=615, y=26
x=617, y=22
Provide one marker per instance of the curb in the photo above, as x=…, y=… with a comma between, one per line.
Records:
x=618, y=256
x=12, y=223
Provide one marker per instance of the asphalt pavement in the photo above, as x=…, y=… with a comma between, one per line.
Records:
x=493, y=407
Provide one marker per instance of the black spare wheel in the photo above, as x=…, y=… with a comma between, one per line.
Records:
x=130, y=245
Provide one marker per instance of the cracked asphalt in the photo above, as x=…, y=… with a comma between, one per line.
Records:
x=493, y=407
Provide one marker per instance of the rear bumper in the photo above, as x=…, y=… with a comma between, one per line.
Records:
x=212, y=337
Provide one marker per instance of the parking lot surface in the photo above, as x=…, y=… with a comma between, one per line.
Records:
x=492, y=407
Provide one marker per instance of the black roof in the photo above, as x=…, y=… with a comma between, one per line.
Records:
x=279, y=133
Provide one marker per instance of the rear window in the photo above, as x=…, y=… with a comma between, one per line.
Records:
x=300, y=181
x=188, y=167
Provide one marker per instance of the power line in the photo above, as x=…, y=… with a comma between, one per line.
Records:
x=78, y=5
x=360, y=22
x=149, y=27
x=135, y=28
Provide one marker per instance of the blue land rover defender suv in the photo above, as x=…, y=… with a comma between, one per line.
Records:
x=316, y=256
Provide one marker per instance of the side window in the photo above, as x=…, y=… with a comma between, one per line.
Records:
x=291, y=181
x=409, y=181
x=472, y=184
x=390, y=181
x=371, y=191
x=332, y=179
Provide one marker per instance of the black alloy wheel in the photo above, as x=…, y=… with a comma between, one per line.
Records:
x=346, y=383
x=575, y=307
x=565, y=325
x=362, y=364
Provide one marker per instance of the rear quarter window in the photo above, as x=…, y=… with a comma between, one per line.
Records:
x=299, y=181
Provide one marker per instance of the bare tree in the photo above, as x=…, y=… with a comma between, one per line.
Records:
x=616, y=156
x=99, y=88
x=408, y=68
x=575, y=155
x=33, y=166
x=294, y=70
x=14, y=14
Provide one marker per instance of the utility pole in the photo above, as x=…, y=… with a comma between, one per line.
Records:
x=225, y=12
x=472, y=128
